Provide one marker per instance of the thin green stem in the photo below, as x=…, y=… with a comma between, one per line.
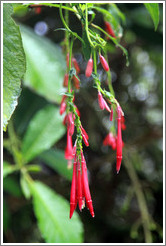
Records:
x=66, y=33
x=70, y=63
x=52, y=5
x=140, y=196
x=86, y=26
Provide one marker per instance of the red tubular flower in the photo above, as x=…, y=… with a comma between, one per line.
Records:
x=69, y=149
x=109, y=29
x=75, y=63
x=102, y=103
x=104, y=63
x=73, y=202
x=84, y=132
x=89, y=68
x=63, y=105
x=79, y=186
x=84, y=136
x=119, y=140
x=110, y=140
x=76, y=82
x=65, y=81
x=77, y=110
x=70, y=124
x=86, y=186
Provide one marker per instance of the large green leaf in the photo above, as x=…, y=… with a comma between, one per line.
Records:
x=45, y=65
x=153, y=9
x=55, y=159
x=13, y=63
x=44, y=130
x=52, y=212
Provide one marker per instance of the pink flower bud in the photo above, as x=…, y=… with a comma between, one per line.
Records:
x=89, y=68
x=75, y=63
x=69, y=147
x=63, y=105
x=76, y=82
x=109, y=29
x=119, y=140
x=101, y=101
x=104, y=63
x=73, y=203
x=65, y=81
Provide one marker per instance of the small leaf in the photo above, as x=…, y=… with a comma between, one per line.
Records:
x=55, y=159
x=7, y=168
x=153, y=9
x=13, y=63
x=44, y=130
x=52, y=212
x=45, y=65
x=25, y=187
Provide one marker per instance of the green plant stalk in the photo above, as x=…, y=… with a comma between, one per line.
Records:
x=86, y=26
x=66, y=33
x=70, y=63
x=140, y=196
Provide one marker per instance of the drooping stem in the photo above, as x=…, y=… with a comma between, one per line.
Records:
x=140, y=196
x=70, y=63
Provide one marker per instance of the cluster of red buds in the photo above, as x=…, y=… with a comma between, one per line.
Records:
x=80, y=193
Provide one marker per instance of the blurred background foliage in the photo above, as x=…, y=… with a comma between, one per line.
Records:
x=128, y=206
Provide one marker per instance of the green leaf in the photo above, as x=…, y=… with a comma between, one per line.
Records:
x=13, y=63
x=54, y=158
x=11, y=186
x=44, y=130
x=52, y=212
x=86, y=48
x=25, y=187
x=45, y=65
x=153, y=9
x=7, y=168
x=6, y=216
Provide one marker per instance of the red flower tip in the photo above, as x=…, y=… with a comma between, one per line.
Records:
x=110, y=140
x=65, y=81
x=101, y=101
x=69, y=147
x=76, y=82
x=109, y=29
x=63, y=105
x=84, y=136
x=104, y=63
x=75, y=63
x=89, y=68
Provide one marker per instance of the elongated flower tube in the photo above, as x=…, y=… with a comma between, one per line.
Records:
x=104, y=63
x=79, y=186
x=119, y=140
x=86, y=186
x=75, y=63
x=109, y=29
x=69, y=149
x=76, y=82
x=85, y=137
x=65, y=81
x=111, y=114
x=70, y=124
x=73, y=202
x=63, y=105
x=89, y=68
x=102, y=103
x=84, y=132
